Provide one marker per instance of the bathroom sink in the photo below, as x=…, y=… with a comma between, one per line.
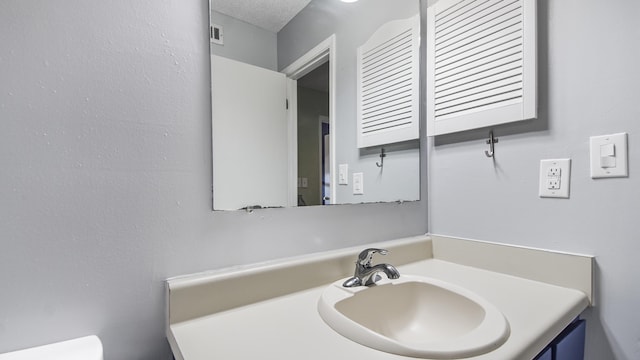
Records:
x=415, y=316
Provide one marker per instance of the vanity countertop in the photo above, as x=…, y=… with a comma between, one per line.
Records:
x=288, y=326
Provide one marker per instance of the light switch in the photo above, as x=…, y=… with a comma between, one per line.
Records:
x=358, y=183
x=343, y=174
x=609, y=156
x=607, y=150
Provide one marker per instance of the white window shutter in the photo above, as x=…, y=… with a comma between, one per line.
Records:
x=388, y=86
x=481, y=64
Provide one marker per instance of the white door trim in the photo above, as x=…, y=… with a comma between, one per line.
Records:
x=326, y=50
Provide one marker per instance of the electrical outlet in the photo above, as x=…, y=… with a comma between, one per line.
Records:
x=554, y=171
x=555, y=177
x=553, y=184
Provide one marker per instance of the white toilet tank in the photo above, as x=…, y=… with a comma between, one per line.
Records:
x=86, y=348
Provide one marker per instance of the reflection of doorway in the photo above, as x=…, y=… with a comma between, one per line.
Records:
x=309, y=76
x=312, y=111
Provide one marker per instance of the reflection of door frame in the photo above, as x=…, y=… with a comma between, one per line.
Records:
x=321, y=53
x=325, y=199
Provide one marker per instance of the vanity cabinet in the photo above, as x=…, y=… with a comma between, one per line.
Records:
x=546, y=354
x=569, y=345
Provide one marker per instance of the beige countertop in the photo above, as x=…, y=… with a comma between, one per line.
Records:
x=288, y=326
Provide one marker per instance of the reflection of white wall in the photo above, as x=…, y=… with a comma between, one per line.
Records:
x=245, y=42
x=353, y=24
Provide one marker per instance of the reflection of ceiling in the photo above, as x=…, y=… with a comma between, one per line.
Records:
x=267, y=14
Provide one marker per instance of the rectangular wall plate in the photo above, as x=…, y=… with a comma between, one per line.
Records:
x=555, y=177
x=358, y=183
x=343, y=174
x=609, y=156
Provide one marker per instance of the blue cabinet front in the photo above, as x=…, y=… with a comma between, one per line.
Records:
x=569, y=345
x=546, y=354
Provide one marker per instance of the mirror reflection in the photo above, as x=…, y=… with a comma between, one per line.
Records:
x=306, y=99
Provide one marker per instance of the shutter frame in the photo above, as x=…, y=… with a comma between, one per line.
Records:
x=388, y=66
x=481, y=64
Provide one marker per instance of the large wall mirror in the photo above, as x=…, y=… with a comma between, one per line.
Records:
x=285, y=79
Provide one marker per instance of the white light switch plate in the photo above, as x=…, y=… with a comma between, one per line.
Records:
x=609, y=156
x=343, y=174
x=555, y=178
x=358, y=183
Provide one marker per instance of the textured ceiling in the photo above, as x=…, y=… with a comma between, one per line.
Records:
x=267, y=14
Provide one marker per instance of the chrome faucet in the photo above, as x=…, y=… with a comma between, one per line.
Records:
x=367, y=275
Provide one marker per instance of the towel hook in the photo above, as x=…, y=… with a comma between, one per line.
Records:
x=491, y=143
x=382, y=156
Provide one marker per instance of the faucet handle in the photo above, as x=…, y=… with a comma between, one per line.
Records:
x=366, y=255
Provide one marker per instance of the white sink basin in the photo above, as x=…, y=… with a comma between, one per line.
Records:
x=415, y=316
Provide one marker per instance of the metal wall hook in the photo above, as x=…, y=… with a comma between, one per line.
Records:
x=491, y=142
x=382, y=156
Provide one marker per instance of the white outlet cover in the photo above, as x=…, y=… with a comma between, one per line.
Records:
x=564, y=178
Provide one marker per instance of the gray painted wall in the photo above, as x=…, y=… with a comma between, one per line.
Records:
x=353, y=24
x=105, y=188
x=589, y=85
x=245, y=42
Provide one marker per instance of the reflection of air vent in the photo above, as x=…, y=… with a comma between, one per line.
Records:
x=481, y=63
x=216, y=34
x=388, y=84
